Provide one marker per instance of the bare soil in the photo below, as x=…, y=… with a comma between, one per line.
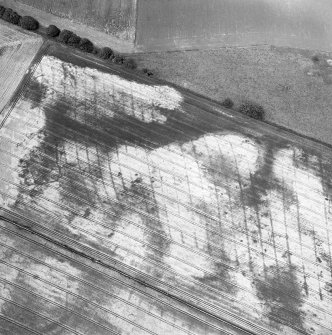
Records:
x=216, y=213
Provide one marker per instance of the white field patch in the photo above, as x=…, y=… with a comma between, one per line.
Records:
x=104, y=90
x=10, y=275
x=53, y=277
x=169, y=193
x=242, y=152
x=45, y=287
x=306, y=225
x=6, y=272
x=27, y=139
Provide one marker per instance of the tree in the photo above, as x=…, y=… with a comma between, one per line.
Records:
x=228, y=103
x=252, y=110
x=105, y=53
x=10, y=16
x=74, y=41
x=29, y=23
x=65, y=35
x=86, y=45
x=52, y=31
x=2, y=11
x=148, y=72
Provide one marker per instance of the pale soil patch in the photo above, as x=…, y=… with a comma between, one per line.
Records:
x=138, y=100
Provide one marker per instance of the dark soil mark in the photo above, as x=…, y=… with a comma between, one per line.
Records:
x=75, y=184
x=321, y=68
x=2, y=50
x=326, y=179
x=328, y=288
x=263, y=180
x=89, y=130
x=222, y=279
x=48, y=163
x=147, y=204
x=282, y=295
x=218, y=170
x=33, y=177
x=36, y=93
x=320, y=166
x=78, y=122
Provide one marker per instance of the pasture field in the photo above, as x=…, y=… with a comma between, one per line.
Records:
x=188, y=24
x=226, y=219
x=295, y=91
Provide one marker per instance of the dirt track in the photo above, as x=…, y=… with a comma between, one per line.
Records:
x=212, y=211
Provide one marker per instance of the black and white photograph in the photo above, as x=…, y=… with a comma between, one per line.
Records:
x=165, y=167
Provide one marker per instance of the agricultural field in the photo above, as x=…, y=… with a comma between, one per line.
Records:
x=294, y=89
x=183, y=24
x=17, y=50
x=223, y=219
x=106, y=23
x=115, y=17
x=49, y=290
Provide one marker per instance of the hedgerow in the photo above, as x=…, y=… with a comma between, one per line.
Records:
x=86, y=45
x=105, y=53
x=11, y=16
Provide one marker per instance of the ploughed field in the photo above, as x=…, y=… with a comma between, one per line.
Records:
x=176, y=24
x=148, y=208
